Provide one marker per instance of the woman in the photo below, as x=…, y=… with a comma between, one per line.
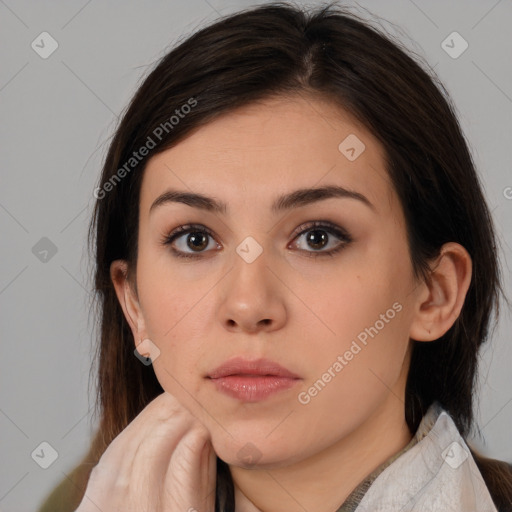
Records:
x=296, y=269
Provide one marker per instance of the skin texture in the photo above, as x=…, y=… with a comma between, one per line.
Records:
x=289, y=306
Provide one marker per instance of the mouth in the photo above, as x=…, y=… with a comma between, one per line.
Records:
x=252, y=381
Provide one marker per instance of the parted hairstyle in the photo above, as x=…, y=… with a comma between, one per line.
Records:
x=279, y=49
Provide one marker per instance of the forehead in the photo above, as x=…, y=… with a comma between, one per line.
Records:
x=271, y=147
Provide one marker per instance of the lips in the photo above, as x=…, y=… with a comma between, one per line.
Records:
x=258, y=367
x=252, y=381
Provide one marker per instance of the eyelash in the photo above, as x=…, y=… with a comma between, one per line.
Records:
x=326, y=226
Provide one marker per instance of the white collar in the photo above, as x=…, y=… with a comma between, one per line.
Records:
x=437, y=474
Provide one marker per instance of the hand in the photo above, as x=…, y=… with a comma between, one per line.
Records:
x=163, y=461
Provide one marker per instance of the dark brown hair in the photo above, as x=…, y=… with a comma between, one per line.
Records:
x=276, y=50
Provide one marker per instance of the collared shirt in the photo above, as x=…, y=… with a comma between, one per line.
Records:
x=435, y=472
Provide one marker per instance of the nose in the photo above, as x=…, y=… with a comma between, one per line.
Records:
x=253, y=299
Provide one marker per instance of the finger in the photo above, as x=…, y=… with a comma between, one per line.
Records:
x=191, y=473
x=156, y=429
x=135, y=466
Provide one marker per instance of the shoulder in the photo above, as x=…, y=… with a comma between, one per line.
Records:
x=497, y=476
x=69, y=492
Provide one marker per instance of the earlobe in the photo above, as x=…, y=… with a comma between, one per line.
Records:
x=442, y=295
x=127, y=298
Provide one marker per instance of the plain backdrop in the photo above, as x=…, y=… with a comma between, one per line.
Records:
x=57, y=114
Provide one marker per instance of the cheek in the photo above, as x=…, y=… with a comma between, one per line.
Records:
x=351, y=374
x=171, y=300
x=359, y=306
x=366, y=351
x=176, y=368
x=363, y=332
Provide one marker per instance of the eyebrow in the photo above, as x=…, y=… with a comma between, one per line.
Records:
x=295, y=199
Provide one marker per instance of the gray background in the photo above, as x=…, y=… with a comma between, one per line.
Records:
x=56, y=116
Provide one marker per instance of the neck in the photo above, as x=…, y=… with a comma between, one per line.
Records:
x=331, y=474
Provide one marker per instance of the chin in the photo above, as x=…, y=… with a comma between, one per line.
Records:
x=252, y=452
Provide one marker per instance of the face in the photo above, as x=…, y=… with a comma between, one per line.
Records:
x=307, y=296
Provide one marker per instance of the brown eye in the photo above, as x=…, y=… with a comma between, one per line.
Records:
x=197, y=241
x=317, y=239
x=319, y=235
x=190, y=241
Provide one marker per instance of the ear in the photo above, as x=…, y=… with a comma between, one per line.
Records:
x=441, y=297
x=128, y=300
